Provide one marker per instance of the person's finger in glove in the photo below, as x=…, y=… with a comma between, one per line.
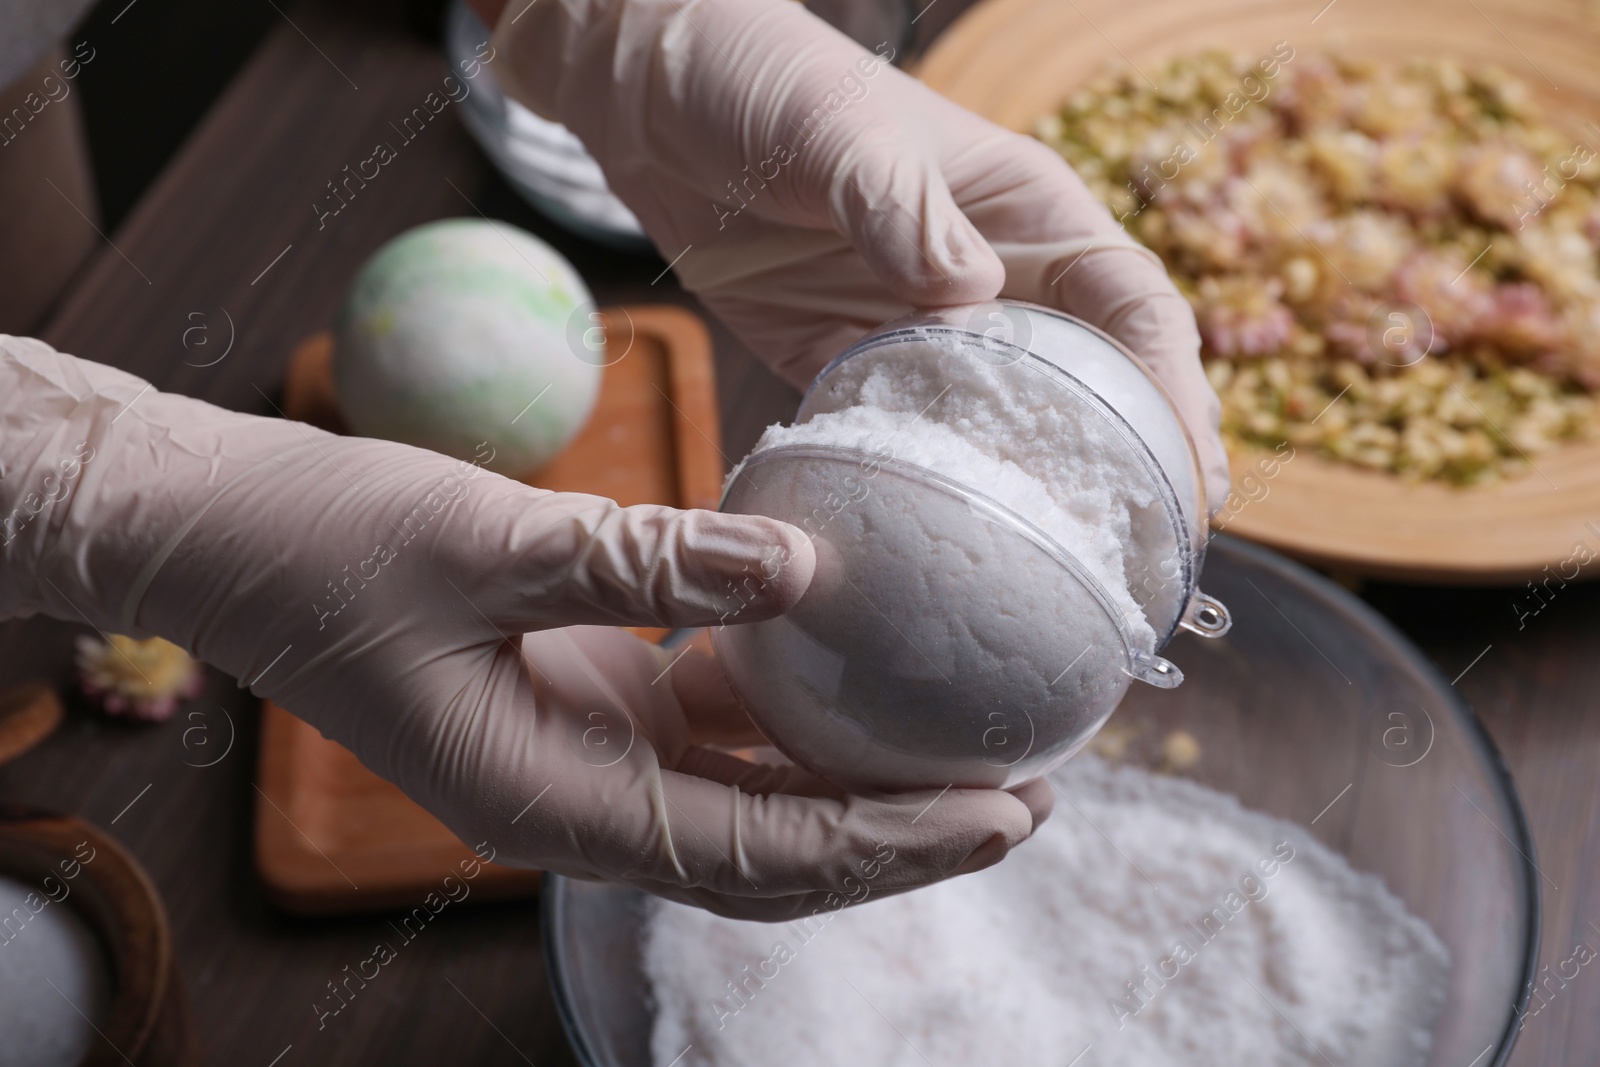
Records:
x=807, y=191
x=707, y=828
x=424, y=613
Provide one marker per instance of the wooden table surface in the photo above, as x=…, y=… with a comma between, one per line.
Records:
x=229, y=235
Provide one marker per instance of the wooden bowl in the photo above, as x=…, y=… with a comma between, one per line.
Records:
x=146, y=1024
x=1016, y=60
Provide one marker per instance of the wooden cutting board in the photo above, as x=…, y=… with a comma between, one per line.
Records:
x=1013, y=61
x=331, y=836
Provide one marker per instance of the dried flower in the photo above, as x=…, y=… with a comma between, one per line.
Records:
x=1521, y=322
x=1390, y=103
x=1364, y=247
x=1347, y=327
x=1414, y=174
x=1495, y=179
x=144, y=680
x=1347, y=161
x=1442, y=283
x=1243, y=316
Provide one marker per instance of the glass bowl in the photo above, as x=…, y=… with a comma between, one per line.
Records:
x=1313, y=709
x=959, y=632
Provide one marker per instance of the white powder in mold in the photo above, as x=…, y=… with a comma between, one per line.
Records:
x=1015, y=436
x=1028, y=962
x=937, y=645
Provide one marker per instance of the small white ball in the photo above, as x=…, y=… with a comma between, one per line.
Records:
x=473, y=339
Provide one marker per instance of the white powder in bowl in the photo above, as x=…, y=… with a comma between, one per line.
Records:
x=43, y=942
x=1210, y=935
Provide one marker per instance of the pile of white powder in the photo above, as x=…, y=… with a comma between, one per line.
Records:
x=1150, y=919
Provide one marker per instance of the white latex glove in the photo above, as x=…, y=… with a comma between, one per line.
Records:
x=813, y=191
x=28, y=28
x=382, y=592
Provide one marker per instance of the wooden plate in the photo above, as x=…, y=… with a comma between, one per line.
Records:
x=1015, y=60
x=331, y=836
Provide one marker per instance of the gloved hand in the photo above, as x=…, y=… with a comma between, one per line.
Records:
x=28, y=29
x=808, y=191
x=386, y=595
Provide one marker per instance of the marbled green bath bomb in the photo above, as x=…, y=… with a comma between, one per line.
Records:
x=463, y=336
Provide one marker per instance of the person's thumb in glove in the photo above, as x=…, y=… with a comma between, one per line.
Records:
x=572, y=559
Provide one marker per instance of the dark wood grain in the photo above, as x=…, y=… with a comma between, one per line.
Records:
x=472, y=988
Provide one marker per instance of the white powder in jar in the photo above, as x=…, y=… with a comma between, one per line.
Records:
x=1289, y=955
x=43, y=942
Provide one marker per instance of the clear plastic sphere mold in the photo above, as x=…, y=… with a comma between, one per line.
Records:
x=953, y=633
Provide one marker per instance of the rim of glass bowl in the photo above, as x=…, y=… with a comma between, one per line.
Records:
x=1191, y=549
x=1136, y=662
x=552, y=902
